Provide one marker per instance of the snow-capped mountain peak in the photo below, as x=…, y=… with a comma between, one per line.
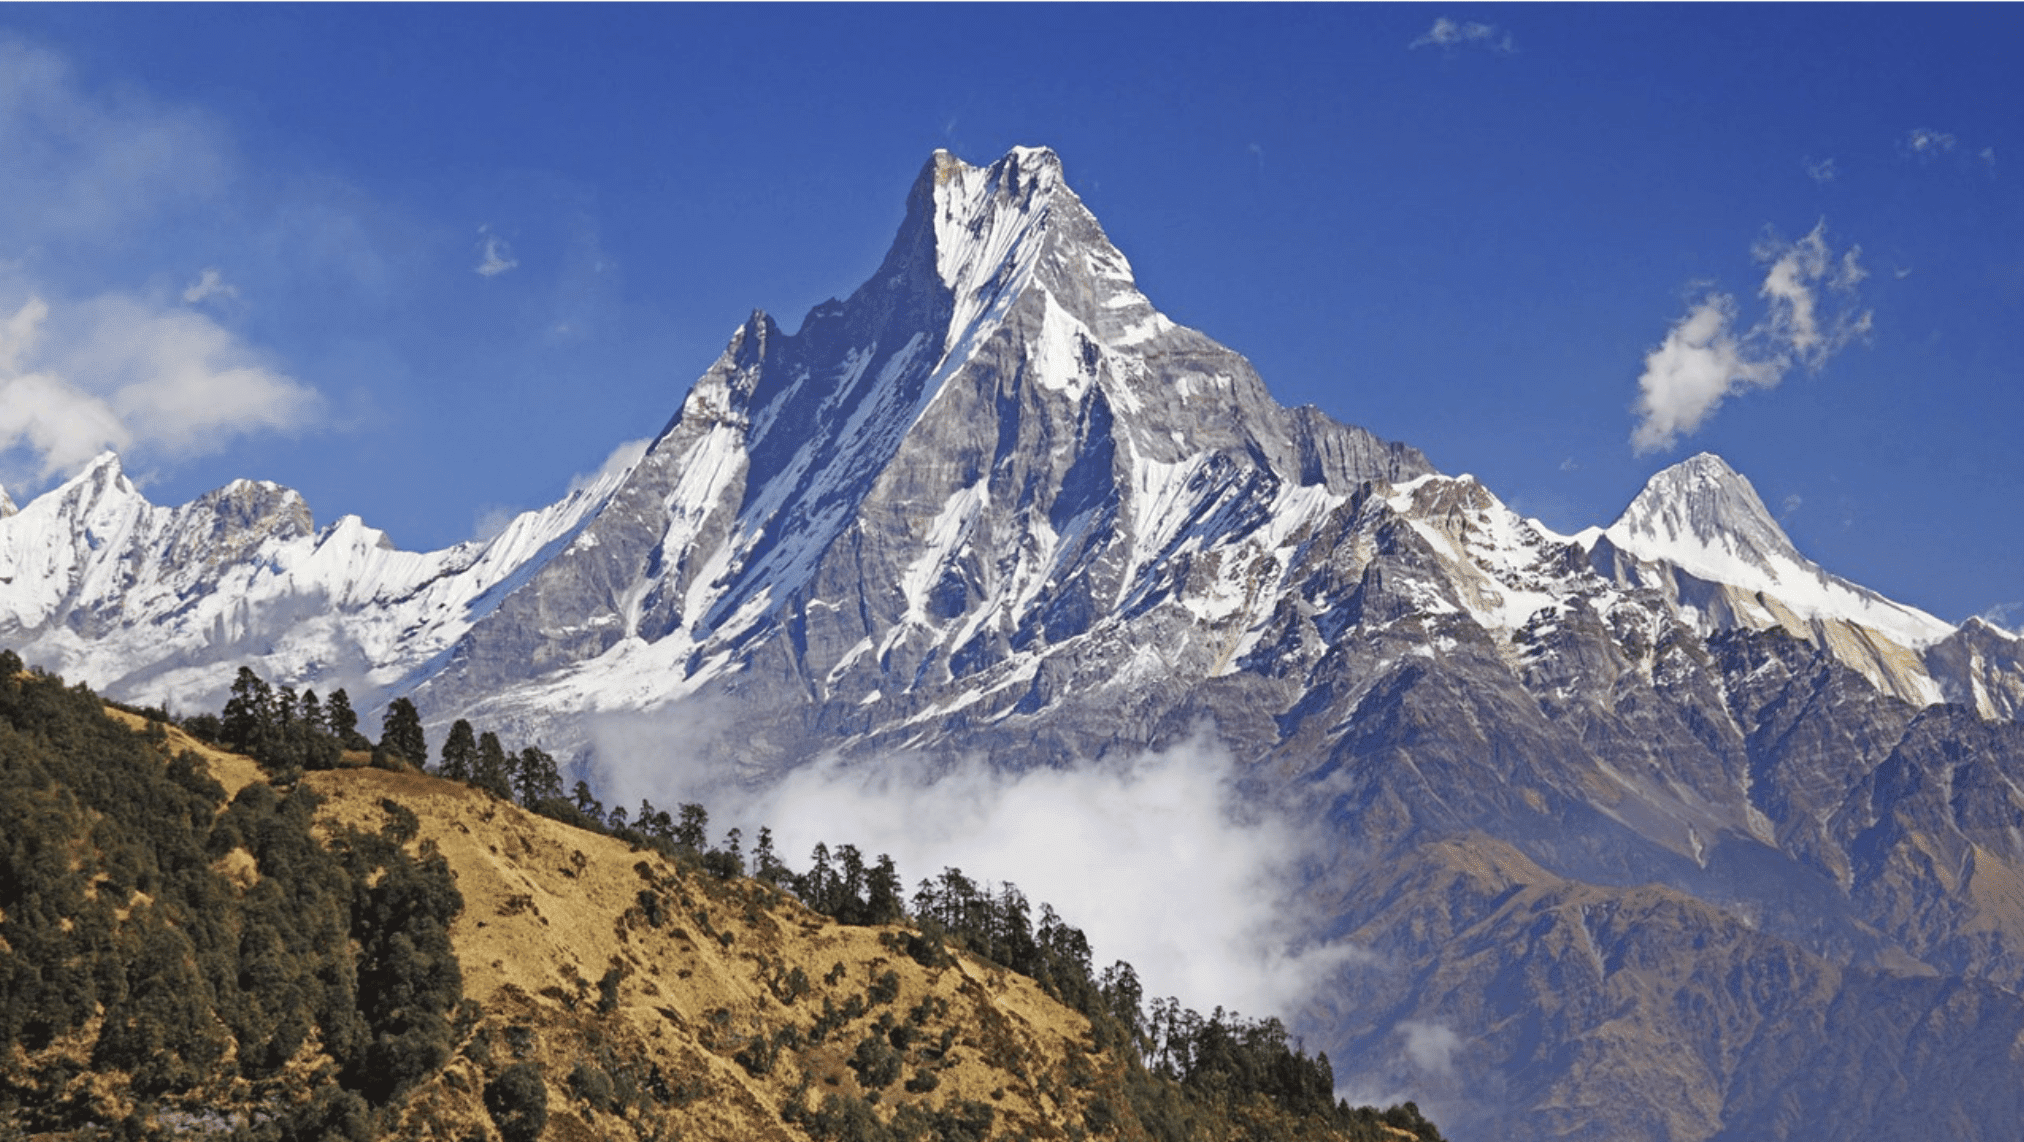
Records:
x=1700, y=535
x=1706, y=517
x=7, y=507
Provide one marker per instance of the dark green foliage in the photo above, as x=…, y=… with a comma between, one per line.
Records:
x=312, y=714
x=401, y=733
x=342, y=722
x=834, y=1017
x=536, y=779
x=607, y=990
x=409, y=981
x=333, y=1114
x=588, y=1082
x=111, y=901
x=269, y=727
x=876, y=1063
x=460, y=750
x=1406, y=1116
x=884, y=988
x=491, y=772
x=842, y=1119
x=727, y=861
x=1222, y=1061
x=759, y=1055
x=205, y=727
x=959, y=1121
x=693, y=832
x=517, y=1100
x=650, y=906
x=766, y=863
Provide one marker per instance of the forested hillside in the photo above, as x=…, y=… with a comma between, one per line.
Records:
x=337, y=945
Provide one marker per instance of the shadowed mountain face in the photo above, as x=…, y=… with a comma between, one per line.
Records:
x=1660, y=831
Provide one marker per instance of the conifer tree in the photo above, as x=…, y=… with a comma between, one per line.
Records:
x=249, y=713
x=693, y=833
x=460, y=752
x=587, y=802
x=401, y=733
x=492, y=773
x=313, y=714
x=766, y=864
x=342, y=721
x=536, y=779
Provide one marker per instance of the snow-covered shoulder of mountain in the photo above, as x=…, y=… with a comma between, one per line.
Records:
x=163, y=603
x=1704, y=518
x=7, y=507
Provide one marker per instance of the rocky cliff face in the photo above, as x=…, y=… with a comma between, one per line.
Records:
x=987, y=451
x=1642, y=823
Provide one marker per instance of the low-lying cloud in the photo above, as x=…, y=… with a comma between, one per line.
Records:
x=1149, y=856
x=1431, y=1047
x=1809, y=294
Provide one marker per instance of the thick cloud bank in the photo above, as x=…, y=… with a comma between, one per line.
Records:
x=1149, y=856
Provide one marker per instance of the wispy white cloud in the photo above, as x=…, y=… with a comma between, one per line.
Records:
x=1988, y=157
x=1809, y=294
x=2005, y=616
x=1450, y=34
x=1115, y=846
x=1924, y=143
x=622, y=459
x=209, y=284
x=1821, y=170
x=85, y=166
x=123, y=373
x=490, y=521
x=495, y=256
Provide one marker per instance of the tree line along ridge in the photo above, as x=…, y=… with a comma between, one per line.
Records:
x=340, y=953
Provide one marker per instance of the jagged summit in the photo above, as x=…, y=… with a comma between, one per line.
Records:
x=7, y=507
x=1706, y=516
x=1700, y=534
x=988, y=446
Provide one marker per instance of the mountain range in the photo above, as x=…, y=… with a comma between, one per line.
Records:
x=1659, y=830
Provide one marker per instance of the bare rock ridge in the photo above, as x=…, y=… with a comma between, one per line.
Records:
x=1640, y=825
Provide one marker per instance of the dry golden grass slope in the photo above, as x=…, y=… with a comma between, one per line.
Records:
x=658, y=1001
x=549, y=910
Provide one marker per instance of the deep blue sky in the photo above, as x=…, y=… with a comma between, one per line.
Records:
x=1468, y=240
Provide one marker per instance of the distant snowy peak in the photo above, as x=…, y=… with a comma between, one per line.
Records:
x=1705, y=517
x=7, y=507
x=163, y=603
x=1701, y=536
